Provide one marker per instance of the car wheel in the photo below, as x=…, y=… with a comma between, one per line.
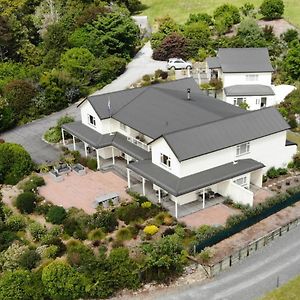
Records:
x=188, y=67
x=173, y=68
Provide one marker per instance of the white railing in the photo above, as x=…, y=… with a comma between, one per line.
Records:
x=138, y=143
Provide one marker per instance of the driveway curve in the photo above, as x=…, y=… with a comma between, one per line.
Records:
x=30, y=135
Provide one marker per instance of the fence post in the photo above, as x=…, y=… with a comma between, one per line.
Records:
x=230, y=260
x=288, y=227
x=280, y=232
x=256, y=245
x=240, y=254
x=247, y=250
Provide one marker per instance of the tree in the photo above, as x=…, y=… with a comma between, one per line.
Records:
x=15, y=162
x=20, y=285
x=248, y=9
x=229, y=9
x=290, y=35
x=105, y=219
x=291, y=62
x=56, y=38
x=62, y=282
x=79, y=62
x=272, y=9
x=174, y=45
x=19, y=94
x=197, y=35
x=26, y=202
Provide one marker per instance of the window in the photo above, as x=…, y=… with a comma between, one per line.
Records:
x=123, y=127
x=91, y=120
x=257, y=101
x=263, y=102
x=242, y=148
x=238, y=101
x=252, y=77
x=165, y=160
x=242, y=181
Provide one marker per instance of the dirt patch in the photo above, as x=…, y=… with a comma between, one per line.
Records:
x=242, y=239
x=279, y=26
x=214, y=215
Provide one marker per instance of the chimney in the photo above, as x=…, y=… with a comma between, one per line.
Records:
x=188, y=94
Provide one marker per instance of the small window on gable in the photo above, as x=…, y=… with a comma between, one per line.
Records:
x=92, y=120
x=242, y=148
x=165, y=160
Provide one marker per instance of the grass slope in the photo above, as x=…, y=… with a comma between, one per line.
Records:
x=180, y=9
x=289, y=291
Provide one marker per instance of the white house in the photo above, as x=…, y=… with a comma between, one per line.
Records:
x=246, y=74
x=183, y=142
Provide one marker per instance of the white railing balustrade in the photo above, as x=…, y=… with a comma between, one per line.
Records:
x=138, y=143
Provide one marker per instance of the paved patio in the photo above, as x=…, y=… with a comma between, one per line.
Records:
x=81, y=191
x=214, y=216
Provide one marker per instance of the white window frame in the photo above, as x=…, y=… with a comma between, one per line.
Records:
x=91, y=120
x=252, y=77
x=242, y=181
x=239, y=150
x=123, y=127
x=163, y=158
x=237, y=99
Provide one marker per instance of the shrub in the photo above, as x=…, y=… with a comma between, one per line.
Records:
x=146, y=78
x=49, y=241
x=105, y=219
x=124, y=234
x=206, y=255
x=92, y=164
x=15, y=222
x=150, y=229
x=230, y=10
x=15, y=163
x=37, y=230
x=32, y=183
x=272, y=173
x=96, y=234
x=56, y=214
x=29, y=259
x=272, y=9
x=26, y=202
x=53, y=135
x=146, y=204
x=168, y=231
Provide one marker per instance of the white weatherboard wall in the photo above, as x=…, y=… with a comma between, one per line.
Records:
x=269, y=150
x=87, y=109
x=240, y=78
x=161, y=146
x=253, y=101
x=239, y=194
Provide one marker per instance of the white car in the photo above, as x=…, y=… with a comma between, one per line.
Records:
x=178, y=63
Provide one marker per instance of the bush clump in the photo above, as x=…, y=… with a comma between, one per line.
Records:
x=150, y=230
x=15, y=222
x=124, y=234
x=91, y=163
x=106, y=220
x=32, y=183
x=56, y=214
x=272, y=9
x=96, y=234
x=26, y=202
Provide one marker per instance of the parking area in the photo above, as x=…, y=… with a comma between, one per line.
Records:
x=81, y=191
x=214, y=216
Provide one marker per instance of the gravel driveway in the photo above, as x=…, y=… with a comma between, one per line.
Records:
x=30, y=135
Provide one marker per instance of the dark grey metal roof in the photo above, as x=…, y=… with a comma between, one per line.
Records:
x=241, y=60
x=120, y=141
x=225, y=133
x=213, y=62
x=97, y=140
x=88, y=135
x=180, y=186
x=163, y=108
x=249, y=90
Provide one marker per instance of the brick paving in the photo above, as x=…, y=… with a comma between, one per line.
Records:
x=214, y=215
x=81, y=191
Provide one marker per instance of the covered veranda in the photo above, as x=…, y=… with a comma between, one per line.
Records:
x=102, y=146
x=203, y=188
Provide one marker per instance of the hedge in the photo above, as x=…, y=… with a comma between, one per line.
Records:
x=250, y=217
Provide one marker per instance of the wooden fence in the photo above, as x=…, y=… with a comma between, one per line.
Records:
x=251, y=248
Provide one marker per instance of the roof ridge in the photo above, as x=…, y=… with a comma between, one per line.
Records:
x=220, y=120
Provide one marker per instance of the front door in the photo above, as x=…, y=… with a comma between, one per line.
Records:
x=263, y=102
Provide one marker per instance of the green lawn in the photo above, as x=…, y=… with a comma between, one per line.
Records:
x=289, y=291
x=180, y=9
x=294, y=137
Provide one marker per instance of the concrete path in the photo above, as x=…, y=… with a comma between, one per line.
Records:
x=142, y=64
x=250, y=279
x=30, y=135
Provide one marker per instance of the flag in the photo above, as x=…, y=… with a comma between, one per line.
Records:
x=109, y=107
